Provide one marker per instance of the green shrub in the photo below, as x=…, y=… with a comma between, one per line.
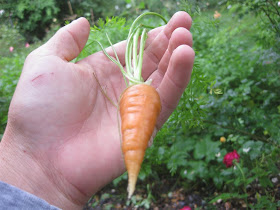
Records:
x=266, y=9
x=85, y=8
x=33, y=18
x=10, y=37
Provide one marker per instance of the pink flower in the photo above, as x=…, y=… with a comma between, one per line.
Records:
x=11, y=49
x=229, y=157
x=27, y=45
x=186, y=208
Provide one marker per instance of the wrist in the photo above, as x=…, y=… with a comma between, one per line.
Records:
x=19, y=167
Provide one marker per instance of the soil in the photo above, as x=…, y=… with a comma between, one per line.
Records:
x=166, y=195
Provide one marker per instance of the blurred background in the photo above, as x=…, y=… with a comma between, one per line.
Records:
x=220, y=148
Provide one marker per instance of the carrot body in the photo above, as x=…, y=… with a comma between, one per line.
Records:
x=139, y=109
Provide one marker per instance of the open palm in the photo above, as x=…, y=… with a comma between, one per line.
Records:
x=64, y=119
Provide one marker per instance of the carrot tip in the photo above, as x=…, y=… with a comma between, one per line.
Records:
x=131, y=188
x=130, y=193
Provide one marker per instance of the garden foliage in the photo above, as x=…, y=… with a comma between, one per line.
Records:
x=32, y=18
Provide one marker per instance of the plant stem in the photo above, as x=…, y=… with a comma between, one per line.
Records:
x=140, y=17
x=128, y=55
x=141, y=53
x=241, y=171
x=244, y=181
x=135, y=50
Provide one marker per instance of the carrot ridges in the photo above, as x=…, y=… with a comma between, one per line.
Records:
x=139, y=109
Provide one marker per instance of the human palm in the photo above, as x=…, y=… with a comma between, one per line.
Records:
x=63, y=115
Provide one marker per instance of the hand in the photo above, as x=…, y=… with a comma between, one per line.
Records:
x=62, y=141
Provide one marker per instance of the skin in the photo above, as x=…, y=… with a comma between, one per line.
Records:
x=62, y=141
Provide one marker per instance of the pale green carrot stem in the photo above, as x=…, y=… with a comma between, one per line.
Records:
x=140, y=17
x=141, y=53
x=113, y=48
x=128, y=52
x=130, y=78
x=135, y=49
x=129, y=67
x=117, y=57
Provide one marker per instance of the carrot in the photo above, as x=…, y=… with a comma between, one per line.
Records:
x=139, y=105
x=139, y=108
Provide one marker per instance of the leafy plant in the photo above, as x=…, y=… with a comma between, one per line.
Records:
x=9, y=74
x=10, y=37
x=33, y=18
x=262, y=8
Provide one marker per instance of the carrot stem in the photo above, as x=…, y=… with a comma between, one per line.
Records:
x=128, y=52
x=115, y=55
x=140, y=17
x=128, y=76
x=135, y=49
x=141, y=53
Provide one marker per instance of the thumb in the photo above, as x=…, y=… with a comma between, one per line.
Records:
x=69, y=41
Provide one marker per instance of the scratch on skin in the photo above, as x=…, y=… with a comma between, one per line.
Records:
x=40, y=76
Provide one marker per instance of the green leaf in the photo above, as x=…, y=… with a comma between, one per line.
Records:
x=200, y=149
x=141, y=5
x=265, y=182
x=206, y=148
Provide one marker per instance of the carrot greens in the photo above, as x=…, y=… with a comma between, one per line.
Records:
x=134, y=53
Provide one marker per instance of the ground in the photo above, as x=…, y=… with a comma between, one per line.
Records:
x=165, y=196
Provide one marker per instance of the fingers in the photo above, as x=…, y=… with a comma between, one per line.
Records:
x=180, y=36
x=69, y=41
x=121, y=46
x=179, y=19
x=157, y=48
x=156, y=44
x=175, y=80
x=120, y=49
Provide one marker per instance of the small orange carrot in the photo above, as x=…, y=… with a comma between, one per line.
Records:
x=139, y=104
x=139, y=108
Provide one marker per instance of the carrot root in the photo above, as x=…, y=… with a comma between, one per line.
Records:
x=139, y=108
